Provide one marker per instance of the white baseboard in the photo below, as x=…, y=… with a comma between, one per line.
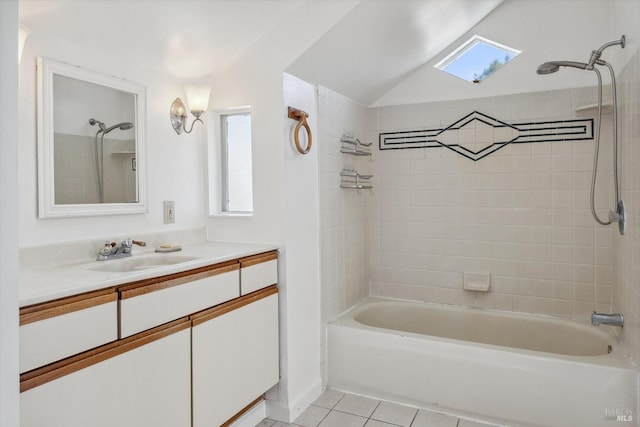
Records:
x=278, y=411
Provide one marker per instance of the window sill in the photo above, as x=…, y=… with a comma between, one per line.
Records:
x=231, y=215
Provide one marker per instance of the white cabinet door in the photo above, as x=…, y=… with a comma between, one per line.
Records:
x=148, y=385
x=235, y=358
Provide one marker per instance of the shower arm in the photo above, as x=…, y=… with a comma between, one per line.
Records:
x=595, y=55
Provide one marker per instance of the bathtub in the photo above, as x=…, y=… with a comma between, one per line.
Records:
x=515, y=369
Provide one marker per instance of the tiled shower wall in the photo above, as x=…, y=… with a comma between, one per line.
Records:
x=343, y=213
x=521, y=214
x=627, y=247
x=76, y=170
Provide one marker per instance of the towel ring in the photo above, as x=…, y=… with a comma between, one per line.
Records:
x=301, y=117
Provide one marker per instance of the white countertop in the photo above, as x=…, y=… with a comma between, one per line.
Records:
x=40, y=284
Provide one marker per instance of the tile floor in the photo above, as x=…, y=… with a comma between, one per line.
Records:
x=336, y=409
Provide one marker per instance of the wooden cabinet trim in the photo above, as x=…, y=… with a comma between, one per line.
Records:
x=242, y=412
x=59, y=369
x=257, y=259
x=151, y=285
x=62, y=306
x=219, y=310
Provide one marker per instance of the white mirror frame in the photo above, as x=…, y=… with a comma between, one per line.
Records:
x=46, y=186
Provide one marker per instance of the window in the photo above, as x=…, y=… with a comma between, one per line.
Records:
x=477, y=59
x=231, y=184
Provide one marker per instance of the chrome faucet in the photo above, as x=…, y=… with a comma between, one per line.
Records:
x=598, y=319
x=112, y=250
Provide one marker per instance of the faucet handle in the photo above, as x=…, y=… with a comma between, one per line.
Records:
x=106, y=250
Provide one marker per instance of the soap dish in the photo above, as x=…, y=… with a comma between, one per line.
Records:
x=478, y=282
x=168, y=248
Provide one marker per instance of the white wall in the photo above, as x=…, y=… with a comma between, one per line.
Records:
x=284, y=189
x=9, y=391
x=300, y=255
x=74, y=100
x=175, y=163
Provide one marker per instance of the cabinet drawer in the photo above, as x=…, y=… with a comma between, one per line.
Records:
x=258, y=272
x=145, y=307
x=61, y=329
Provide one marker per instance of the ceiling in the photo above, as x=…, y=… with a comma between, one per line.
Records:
x=380, y=53
x=380, y=43
x=384, y=52
x=185, y=38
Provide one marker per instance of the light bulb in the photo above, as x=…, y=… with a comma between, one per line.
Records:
x=198, y=99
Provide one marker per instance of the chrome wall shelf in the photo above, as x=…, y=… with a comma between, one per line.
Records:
x=352, y=179
x=352, y=145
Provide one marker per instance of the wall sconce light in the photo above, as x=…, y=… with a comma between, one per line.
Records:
x=23, y=33
x=198, y=100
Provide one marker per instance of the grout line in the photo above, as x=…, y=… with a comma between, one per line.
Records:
x=374, y=410
x=327, y=414
x=414, y=418
x=339, y=400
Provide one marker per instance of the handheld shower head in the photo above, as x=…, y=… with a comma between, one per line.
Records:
x=553, y=66
x=121, y=126
x=105, y=129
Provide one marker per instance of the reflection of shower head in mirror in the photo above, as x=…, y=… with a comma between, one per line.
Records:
x=94, y=122
x=103, y=128
x=121, y=126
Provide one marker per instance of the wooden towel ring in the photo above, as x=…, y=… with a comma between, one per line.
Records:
x=301, y=117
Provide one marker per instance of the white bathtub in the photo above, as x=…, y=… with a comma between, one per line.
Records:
x=511, y=368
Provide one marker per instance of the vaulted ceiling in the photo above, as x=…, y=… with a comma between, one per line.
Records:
x=384, y=52
x=186, y=38
x=381, y=52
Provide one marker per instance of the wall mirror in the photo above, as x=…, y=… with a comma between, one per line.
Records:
x=91, y=143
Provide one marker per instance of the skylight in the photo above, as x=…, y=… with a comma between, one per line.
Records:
x=477, y=59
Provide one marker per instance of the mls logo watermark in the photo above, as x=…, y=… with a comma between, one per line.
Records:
x=619, y=414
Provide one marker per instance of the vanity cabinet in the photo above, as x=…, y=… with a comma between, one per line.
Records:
x=140, y=381
x=194, y=348
x=149, y=303
x=57, y=329
x=234, y=356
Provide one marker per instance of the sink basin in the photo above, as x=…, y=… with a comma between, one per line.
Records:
x=139, y=263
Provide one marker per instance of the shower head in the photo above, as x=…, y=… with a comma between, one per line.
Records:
x=121, y=126
x=553, y=66
x=104, y=129
x=101, y=125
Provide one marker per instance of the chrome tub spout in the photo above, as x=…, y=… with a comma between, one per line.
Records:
x=614, y=319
